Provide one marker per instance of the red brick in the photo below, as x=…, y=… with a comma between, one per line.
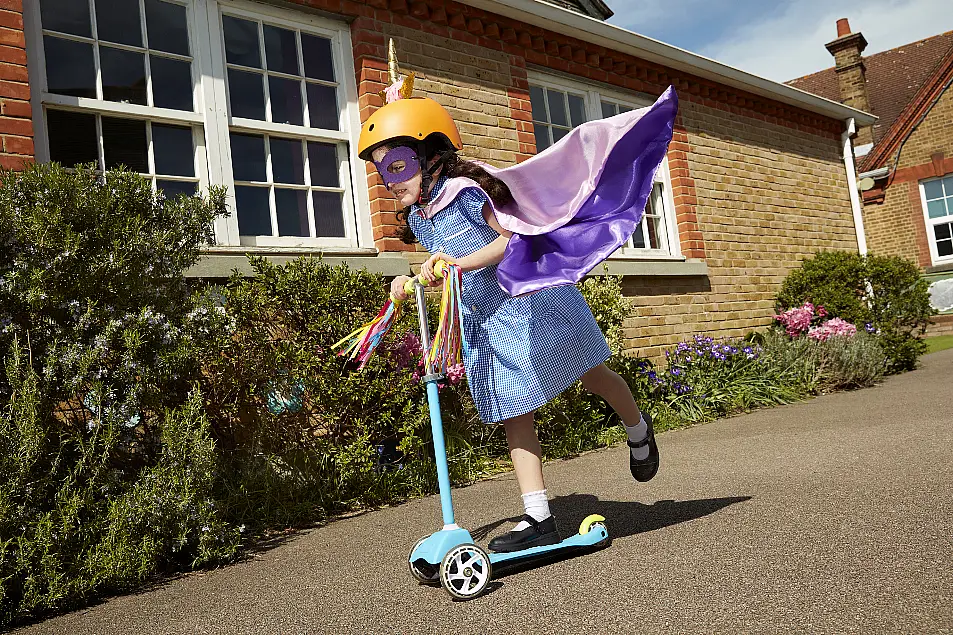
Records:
x=11, y=55
x=14, y=72
x=17, y=108
x=14, y=162
x=11, y=19
x=9, y=125
x=12, y=37
x=12, y=5
x=18, y=145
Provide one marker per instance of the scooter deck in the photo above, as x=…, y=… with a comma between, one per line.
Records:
x=595, y=536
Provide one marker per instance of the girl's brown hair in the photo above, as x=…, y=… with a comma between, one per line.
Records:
x=454, y=166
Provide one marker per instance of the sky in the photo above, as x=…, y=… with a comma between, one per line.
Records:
x=780, y=39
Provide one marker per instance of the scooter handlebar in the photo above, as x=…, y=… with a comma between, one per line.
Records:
x=440, y=269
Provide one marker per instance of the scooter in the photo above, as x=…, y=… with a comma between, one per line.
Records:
x=450, y=557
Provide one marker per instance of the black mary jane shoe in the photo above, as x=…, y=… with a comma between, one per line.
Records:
x=539, y=533
x=644, y=470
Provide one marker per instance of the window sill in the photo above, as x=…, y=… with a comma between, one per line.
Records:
x=941, y=267
x=219, y=262
x=631, y=266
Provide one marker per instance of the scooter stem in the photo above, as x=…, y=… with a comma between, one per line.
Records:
x=436, y=419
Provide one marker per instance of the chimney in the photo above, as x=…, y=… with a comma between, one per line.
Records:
x=851, y=73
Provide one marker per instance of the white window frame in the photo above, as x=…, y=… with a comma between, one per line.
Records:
x=594, y=96
x=928, y=222
x=211, y=121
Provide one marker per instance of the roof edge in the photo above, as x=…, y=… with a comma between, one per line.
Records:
x=616, y=38
x=914, y=109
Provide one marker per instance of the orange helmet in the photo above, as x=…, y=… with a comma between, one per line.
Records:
x=413, y=118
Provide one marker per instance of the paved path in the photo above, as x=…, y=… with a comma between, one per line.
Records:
x=830, y=516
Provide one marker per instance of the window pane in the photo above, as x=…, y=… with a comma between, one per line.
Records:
x=246, y=94
x=559, y=133
x=542, y=137
x=948, y=185
x=318, y=63
x=173, y=151
x=167, y=26
x=936, y=209
x=286, y=101
x=248, y=157
x=577, y=110
x=942, y=232
x=328, y=214
x=254, y=212
x=124, y=75
x=538, y=102
x=323, y=164
x=281, y=50
x=323, y=106
x=652, y=225
x=291, y=210
x=124, y=143
x=623, y=109
x=118, y=21
x=608, y=110
x=241, y=42
x=66, y=16
x=72, y=137
x=557, y=108
x=933, y=189
x=69, y=67
x=944, y=248
x=287, y=162
x=172, y=189
x=638, y=238
x=171, y=83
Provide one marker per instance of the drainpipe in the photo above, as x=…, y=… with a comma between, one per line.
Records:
x=852, y=189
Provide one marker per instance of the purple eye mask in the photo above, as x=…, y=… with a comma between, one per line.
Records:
x=402, y=153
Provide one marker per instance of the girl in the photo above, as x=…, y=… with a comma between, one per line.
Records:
x=530, y=335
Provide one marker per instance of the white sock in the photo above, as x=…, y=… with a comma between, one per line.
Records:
x=637, y=433
x=537, y=506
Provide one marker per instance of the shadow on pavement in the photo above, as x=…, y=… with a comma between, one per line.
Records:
x=622, y=519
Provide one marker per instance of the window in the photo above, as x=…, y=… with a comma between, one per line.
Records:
x=937, y=195
x=192, y=93
x=558, y=107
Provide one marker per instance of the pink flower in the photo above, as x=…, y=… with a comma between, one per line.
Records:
x=407, y=349
x=797, y=320
x=835, y=327
x=455, y=374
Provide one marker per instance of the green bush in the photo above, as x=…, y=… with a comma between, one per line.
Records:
x=887, y=293
x=108, y=465
x=837, y=363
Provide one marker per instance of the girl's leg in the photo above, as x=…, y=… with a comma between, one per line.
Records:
x=644, y=457
x=526, y=452
x=610, y=386
x=538, y=526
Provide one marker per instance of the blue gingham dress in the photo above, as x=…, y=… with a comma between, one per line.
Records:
x=523, y=351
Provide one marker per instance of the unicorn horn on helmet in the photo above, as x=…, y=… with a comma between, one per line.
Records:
x=400, y=87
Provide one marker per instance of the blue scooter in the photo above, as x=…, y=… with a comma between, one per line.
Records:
x=449, y=556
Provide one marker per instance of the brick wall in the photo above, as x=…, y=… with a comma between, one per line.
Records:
x=758, y=185
x=16, y=124
x=894, y=223
x=767, y=197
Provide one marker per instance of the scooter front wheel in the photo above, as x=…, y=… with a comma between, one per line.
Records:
x=466, y=571
x=423, y=572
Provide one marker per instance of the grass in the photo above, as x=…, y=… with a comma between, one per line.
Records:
x=939, y=343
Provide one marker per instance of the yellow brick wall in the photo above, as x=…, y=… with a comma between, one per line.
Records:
x=768, y=197
x=895, y=227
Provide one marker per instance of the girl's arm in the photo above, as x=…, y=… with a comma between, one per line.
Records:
x=492, y=254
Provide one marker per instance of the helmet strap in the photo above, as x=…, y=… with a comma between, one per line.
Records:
x=426, y=174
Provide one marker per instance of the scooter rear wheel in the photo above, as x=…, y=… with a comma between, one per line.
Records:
x=424, y=573
x=466, y=571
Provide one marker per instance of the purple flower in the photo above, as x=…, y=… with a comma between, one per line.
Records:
x=676, y=371
x=869, y=328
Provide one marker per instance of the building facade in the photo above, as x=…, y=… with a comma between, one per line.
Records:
x=266, y=99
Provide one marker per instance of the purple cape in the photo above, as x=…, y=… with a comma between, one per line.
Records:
x=579, y=200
